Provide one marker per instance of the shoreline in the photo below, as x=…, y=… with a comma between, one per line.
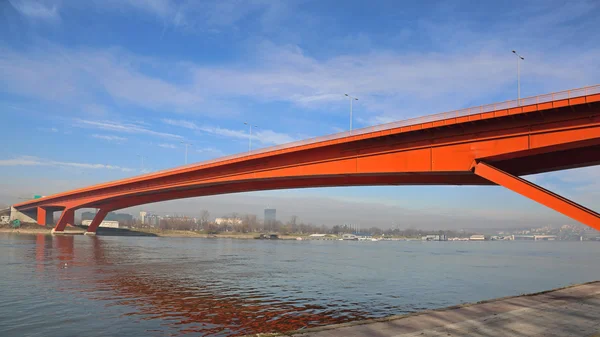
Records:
x=548, y=312
x=29, y=231
x=30, y=228
x=148, y=233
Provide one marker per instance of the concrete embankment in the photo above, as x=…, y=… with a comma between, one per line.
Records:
x=570, y=311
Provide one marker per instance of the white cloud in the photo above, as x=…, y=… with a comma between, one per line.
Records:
x=110, y=138
x=167, y=146
x=165, y=10
x=337, y=129
x=181, y=123
x=272, y=137
x=204, y=16
x=262, y=136
x=390, y=85
x=393, y=85
x=216, y=130
x=210, y=150
x=77, y=76
x=36, y=9
x=122, y=127
x=48, y=129
x=35, y=161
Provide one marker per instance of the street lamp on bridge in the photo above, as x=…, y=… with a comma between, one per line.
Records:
x=519, y=59
x=250, y=136
x=186, y=149
x=351, y=99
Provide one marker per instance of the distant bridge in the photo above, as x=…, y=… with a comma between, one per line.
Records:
x=486, y=145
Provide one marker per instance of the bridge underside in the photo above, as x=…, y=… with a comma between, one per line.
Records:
x=480, y=151
x=482, y=173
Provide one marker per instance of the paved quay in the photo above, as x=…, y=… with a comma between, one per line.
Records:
x=571, y=311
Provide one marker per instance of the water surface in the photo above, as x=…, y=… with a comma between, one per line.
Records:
x=144, y=286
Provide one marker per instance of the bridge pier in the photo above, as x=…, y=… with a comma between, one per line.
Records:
x=66, y=218
x=44, y=216
x=539, y=194
x=28, y=216
x=98, y=218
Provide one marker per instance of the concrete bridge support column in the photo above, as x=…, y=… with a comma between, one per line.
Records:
x=28, y=216
x=44, y=217
x=539, y=194
x=98, y=218
x=67, y=218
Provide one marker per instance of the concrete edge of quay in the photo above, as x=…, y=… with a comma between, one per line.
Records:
x=424, y=312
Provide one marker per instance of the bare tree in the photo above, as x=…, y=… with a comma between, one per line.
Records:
x=253, y=224
x=245, y=223
x=204, y=218
x=249, y=223
x=179, y=223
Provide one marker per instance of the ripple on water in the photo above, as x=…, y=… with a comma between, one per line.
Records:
x=144, y=286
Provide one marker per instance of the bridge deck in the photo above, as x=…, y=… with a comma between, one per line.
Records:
x=573, y=311
x=489, y=111
x=495, y=143
x=494, y=110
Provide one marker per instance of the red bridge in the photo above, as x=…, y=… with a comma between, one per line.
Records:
x=486, y=145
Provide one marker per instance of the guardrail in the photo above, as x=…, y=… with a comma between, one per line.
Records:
x=595, y=89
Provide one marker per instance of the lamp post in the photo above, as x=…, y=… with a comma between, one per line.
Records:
x=186, y=150
x=250, y=136
x=351, y=99
x=519, y=59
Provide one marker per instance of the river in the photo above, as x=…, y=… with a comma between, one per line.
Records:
x=150, y=286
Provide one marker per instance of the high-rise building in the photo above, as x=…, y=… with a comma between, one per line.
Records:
x=143, y=217
x=270, y=215
x=152, y=220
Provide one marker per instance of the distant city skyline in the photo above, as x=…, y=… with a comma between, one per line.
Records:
x=230, y=221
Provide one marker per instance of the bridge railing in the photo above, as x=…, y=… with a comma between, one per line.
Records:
x=407, y=122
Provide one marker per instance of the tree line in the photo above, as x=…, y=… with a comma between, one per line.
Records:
x=249, y=223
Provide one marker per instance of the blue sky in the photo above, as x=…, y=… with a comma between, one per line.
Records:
x=90, y=86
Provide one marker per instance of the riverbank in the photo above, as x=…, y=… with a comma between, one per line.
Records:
x=27, y=228
x=31, y=228
x=569, y=311
x=183, y=234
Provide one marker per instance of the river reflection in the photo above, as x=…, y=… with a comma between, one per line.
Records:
x=211, y=308
x=57, y=286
